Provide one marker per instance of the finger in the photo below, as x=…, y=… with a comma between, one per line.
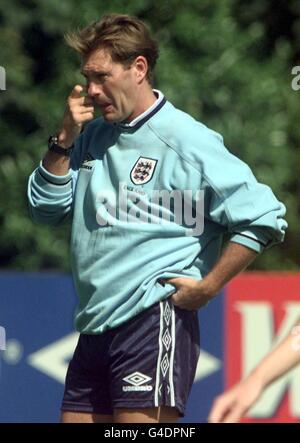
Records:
x=82, y=101
x=220, y=409
x=86, y=109
x=88, y=100
x=234, y=415
x=87, y=116
x=76, y=91
x=217, y=414
x=173, y=281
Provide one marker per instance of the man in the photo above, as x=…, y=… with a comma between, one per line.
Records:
x=231, y=406
x=141, y=274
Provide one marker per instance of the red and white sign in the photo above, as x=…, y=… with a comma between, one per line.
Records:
x=260, y=310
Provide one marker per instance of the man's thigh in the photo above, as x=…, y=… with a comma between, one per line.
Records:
x=84, y=417
x=163, y=414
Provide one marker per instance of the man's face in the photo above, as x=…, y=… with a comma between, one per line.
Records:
x=111, y=86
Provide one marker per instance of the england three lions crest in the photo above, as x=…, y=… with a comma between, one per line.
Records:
x=143, y=170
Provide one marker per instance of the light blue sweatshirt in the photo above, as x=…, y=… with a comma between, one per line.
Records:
x=116, y=266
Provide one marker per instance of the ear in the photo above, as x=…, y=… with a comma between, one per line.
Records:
x=141, y=68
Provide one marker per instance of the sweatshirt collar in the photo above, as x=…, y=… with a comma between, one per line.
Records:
x=146, y=115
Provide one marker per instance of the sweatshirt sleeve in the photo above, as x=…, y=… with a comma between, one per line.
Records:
x=248, y=209
x=50, y=196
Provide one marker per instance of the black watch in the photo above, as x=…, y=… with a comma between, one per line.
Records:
x=53, y=146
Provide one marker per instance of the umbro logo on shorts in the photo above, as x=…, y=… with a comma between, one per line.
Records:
x=137, y=381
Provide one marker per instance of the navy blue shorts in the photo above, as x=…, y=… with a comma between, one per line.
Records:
x=147, y=362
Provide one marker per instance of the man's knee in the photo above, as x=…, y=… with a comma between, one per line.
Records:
x=163, y=414
x=84, y=417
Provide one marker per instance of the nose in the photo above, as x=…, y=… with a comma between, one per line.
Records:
x=93, y=89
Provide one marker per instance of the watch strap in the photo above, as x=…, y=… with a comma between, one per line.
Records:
x=53, y=146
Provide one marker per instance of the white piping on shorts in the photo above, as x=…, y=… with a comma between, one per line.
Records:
x=171, y=369
x=173, y=335
x=159, y=354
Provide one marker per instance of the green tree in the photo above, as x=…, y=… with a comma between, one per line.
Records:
x=222, y=62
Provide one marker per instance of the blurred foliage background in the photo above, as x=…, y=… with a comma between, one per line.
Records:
x=228, y=63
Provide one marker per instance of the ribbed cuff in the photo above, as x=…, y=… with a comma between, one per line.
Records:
x=252, y=243
x=59, y=180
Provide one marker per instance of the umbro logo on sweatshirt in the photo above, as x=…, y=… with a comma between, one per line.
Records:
x=143, y=170
x=88, y=162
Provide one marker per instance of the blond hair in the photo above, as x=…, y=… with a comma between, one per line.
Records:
x=125, y=37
